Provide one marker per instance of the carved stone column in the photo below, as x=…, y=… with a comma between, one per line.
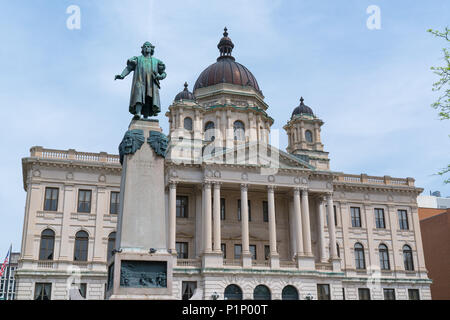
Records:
x=274, y=258
x=306, y=223
x=321, y=229
x=216, y=213
x=331, y=227
x=298, y=222
x=207, y=217
x=246, y=255
x=172, y=216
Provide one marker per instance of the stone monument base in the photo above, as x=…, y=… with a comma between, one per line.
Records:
x=140, y=276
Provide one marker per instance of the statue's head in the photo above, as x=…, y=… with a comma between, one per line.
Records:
x=147, y=48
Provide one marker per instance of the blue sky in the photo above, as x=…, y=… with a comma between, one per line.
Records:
x=372, y=88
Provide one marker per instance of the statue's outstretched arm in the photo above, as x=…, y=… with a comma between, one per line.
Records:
x=131, y=64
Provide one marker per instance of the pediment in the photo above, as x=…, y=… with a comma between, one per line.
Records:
x=255, y=154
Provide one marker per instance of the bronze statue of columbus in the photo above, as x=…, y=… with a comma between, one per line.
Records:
x=148, y=71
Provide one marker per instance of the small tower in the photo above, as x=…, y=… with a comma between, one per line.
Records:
x=185, y=125
x=303, y=131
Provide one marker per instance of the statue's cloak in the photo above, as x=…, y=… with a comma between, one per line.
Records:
x=144, y=88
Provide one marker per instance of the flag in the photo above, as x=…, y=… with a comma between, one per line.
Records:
x=6, y=261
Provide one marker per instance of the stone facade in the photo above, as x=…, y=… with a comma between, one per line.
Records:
x=239, y=211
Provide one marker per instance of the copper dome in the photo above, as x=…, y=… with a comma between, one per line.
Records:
x=185, y=94
x=226, y=69
x=302, y=109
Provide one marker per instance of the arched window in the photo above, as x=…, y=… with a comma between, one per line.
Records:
x=289, y=293
x=47, y=245
x=308, y=136
x=408, y=258
x=111, y=244
x=188, y=123
x=233, y=292
x=261, y=292
x=239, y=130
x=209, y=131
x=81, y=246
x=360, y=262
x=384, y=257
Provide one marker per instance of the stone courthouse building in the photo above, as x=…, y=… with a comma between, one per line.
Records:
x=245, y=219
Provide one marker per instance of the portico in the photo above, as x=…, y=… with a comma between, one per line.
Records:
x=248, y=224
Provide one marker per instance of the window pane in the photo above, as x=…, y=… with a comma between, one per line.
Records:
x=266, y=252
x=223, y=247
x=364, y=294
x=265, y=211
x=389, y=294
x=51, y=199
x=222, y=209
x=84, y=201
x=182, y=206
x=413, y=294
x=323, y=292
x=237, y=251
x=114, y=203
x=252, y=248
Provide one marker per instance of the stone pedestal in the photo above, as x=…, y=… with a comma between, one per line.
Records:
x=141, y=268
x=212, y=260
x=306, y=263
x=275, y=261
x=336, y=263
x=246, y=260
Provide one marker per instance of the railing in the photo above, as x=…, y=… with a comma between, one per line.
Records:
x=189, y=263
x=324, y=266
x=232, y=262
x=72, y=154
x=288, y=264
x=364, y=178
x=45, y=264
x=260, y=263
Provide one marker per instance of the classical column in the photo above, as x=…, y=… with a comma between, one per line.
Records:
x=298, y=222
x=272, y=225
x=331, y=226
x=172, y=215
x=306, y=224
x=198, y=222
x=321, y=227
x=244, y=219
x=207, y=217
x=216, y=213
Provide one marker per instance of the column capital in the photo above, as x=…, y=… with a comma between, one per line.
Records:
x=244, y=186
x=296, y=190
x=329, y=194
x=207, y=184
x=173, y=184
x=304, y=189
x=271, y=188
x=217, y=184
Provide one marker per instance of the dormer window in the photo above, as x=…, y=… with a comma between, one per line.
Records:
x=308, y=136
x=239, y=131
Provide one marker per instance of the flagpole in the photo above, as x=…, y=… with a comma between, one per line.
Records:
x=8, y=272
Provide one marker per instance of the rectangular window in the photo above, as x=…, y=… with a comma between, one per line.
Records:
x=413, y=294
x=266, y=252
x=43, y=291
x=182, y=206
x=356, y=217
x=51, y=199
x=188, y=288
x=343, y=293
x=265, y=211
x=252, y=248
x=84, y=201
x=83, y=289
x=222, y=209
x=237, y=251
x=389, y=294
x=223, y=247
x=364, y=294
x=379, y=218
x=182, y=250
x=323, y=292
x=403, y=219
x=249, y=210
x=114, y=203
